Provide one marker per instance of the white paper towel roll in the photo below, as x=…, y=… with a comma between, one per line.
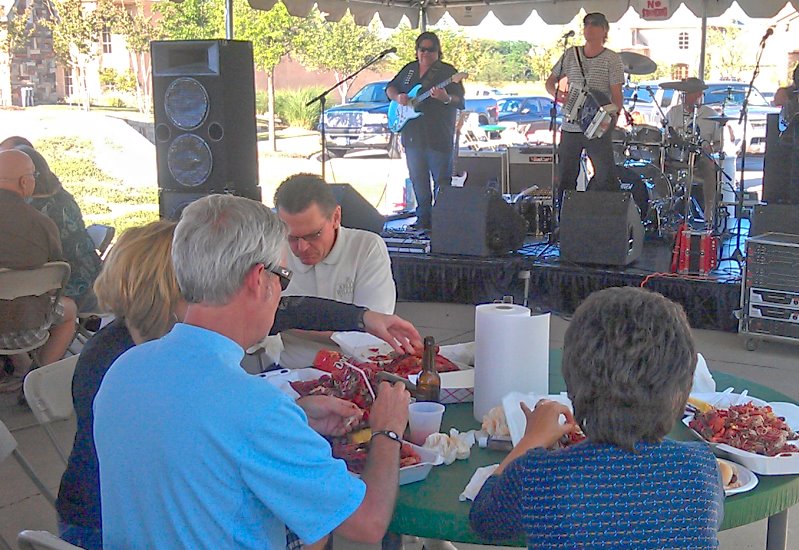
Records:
x=511, y=354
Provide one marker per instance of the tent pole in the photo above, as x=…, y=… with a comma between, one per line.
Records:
x=422, y=18
x=229, y=19
x=703, y=44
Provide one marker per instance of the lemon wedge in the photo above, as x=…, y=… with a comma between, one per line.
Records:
x=361, y=436
x=701, y=406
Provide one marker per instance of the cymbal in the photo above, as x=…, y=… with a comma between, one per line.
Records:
x=721, y=119
x=635, y=63
x=689, y=86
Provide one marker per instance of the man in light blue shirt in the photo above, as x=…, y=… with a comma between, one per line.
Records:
x=194, y=452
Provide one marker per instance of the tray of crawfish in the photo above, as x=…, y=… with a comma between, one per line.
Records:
x=342, y=377
x=758, y=435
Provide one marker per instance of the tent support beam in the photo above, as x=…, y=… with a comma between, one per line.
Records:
x=229, y=19
x=703, y=44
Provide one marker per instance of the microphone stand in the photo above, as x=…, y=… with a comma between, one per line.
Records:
x=553, y=114
x=738, y=255
x=322, y=98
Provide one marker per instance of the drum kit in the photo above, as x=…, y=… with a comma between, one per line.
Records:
x=656, y=165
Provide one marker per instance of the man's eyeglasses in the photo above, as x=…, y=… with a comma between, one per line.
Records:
x=309, y=238
x=34, y=174
x=282, y=273
x=427, y=50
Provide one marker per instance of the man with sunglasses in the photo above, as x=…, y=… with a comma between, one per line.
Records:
x=196, y=453
x=429, y=139
x=30, y=239
x=600, y=69
x=328, y=261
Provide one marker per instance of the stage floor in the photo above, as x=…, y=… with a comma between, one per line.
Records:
x=535, y=274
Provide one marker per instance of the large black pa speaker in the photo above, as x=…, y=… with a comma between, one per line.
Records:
x=171, y=203
x=475, y=221
x=776, y=164
x=356, y=212
x=775, y=218
x=600, y=227
x=204, y=105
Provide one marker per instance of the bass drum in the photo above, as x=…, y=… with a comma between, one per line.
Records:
x=651, y=190
x=620, y=138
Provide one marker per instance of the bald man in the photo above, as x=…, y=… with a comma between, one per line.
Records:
x=29, y=239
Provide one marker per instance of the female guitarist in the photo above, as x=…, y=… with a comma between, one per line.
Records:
x=428, y=139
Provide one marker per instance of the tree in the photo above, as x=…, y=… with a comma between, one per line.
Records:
x=725, y=53
x=139, y=30
x=341, y=47
x=77, y=31
x=16, y=29
x=273, y=34
x=192, y=19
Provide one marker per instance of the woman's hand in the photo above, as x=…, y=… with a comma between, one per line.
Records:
x=330, y=415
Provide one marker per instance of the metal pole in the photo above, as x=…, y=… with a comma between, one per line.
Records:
x=229, y=19
x=703, y=43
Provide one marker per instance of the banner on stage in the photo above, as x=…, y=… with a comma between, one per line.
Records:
x=655, y=10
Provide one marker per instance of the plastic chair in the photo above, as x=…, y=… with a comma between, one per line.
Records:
x=43, y=540
x=48, y=391
x=101, y=235
x=8, y=447
x=16, y=283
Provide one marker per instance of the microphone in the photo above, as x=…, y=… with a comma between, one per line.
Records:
x=769, y=32
x=386, y=52
x=568, y=35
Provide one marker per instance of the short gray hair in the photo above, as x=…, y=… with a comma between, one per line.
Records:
x=218, y=240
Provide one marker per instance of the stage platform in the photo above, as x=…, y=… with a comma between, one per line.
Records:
x=709, y=301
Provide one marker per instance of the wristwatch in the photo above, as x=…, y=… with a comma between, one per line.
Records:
x=361, y=325
x=392, y=435
x=449, y=99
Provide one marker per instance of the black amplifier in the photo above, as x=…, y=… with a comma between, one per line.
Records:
x=530, y=165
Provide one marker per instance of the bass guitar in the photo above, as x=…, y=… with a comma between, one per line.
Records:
x=399, y=115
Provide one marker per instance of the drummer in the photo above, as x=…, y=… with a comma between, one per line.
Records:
x=689, y=119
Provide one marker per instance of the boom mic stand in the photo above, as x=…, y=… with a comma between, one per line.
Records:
x=737, y=255
x=553, y=127
x=322, y=98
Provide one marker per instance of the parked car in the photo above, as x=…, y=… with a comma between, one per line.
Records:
x=525, y=108
x=486, y=108
x=361, y=122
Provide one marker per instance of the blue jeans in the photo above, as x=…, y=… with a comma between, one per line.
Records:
x=422, y=163
x=89, y=538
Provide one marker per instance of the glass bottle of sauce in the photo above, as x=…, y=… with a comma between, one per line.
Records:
x=428, y=386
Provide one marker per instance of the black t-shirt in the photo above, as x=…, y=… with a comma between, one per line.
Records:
x=436, y=127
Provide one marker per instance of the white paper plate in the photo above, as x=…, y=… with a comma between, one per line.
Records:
x=281, y=378
x=745, y=476
x=417, y=472
x=765, y=465
x=517, y=422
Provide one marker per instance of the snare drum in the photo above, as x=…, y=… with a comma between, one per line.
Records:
x=678, y=148
x=651, y=190
x=620, y=137
x=645, y=143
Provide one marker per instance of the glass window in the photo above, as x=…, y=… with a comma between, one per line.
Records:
x=106, y=38
x=682, y=40
x=679, y=71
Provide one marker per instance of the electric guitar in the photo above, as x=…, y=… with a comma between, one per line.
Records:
x=399, y=115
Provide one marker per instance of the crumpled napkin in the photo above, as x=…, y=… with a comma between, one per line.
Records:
x=455, y=446
x=476, y=483
x=495, y=423
x=703, y=381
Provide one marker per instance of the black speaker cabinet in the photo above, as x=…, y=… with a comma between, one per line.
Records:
x=775, y=218
x=171, y=203
x=484, y=168
x=528, y=166
x=356, y=212
x=204, y=104
x=600, y=227
x=475, y=221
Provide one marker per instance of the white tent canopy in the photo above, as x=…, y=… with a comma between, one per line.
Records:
x=509, y=12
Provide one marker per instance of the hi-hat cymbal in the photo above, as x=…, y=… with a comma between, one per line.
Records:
x=689, y=85
x=635, y=63
x=721, y=119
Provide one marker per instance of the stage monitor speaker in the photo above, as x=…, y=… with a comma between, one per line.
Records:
x=600, y=227
x=528, y=166
x=775, y=218
x=475, y=221
x=171, y=203
x=484, y=168
x=356, y=212
x=204, y=106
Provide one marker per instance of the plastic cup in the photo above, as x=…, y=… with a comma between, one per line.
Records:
x=424, y=418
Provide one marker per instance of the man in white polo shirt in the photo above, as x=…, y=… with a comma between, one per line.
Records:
x=328, y=261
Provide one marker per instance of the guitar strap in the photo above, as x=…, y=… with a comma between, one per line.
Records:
x=580, y=63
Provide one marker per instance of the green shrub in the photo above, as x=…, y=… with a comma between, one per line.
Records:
x=261, y=102
x=108, y=78
x=290, y=107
